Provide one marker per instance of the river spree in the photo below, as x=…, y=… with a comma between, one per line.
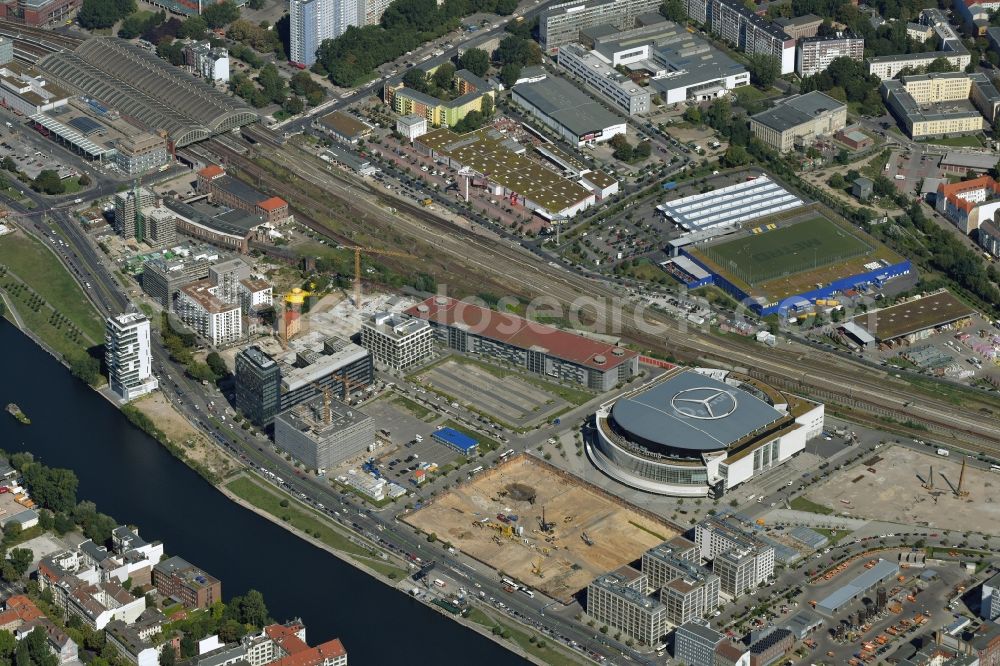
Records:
x=131, y=477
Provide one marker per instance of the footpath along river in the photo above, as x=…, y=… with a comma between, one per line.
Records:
x=131, y=477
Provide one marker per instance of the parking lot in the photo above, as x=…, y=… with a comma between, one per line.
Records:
x=967, y=354
x=28, y=158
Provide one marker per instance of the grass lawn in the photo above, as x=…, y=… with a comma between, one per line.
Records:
x=833, y=535
x=643, y=270
x=802, y=504
x=389, y=571
x=550, y=654
x=35, y=264
x=414, y=408
x=966, y=141
x=944, y=550
x=747, y=94
x=294, y=514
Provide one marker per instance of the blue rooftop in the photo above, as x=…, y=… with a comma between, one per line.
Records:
x=455, y=439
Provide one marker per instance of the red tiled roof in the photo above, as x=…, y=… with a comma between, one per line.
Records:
x=950, y=191
x=272, y=204
x=314, y=656
x=20, y=608
x=514, y=330
x=212, y=171
x=286, y=637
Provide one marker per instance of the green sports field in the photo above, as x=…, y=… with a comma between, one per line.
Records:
x=802, y=246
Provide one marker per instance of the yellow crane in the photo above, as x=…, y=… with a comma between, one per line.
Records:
x=358, y=249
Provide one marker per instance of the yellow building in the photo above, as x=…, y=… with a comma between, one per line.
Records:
x=928, y=105
x=799, y=121
x=472, y=91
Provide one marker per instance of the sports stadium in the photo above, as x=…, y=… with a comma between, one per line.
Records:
x=699, y=432
x=792, y=259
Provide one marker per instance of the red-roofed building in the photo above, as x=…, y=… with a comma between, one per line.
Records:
x=285, y=644
x=541, y=349
x=969, y=203
x=228, y=191
x=19, y=610
x=331, y=653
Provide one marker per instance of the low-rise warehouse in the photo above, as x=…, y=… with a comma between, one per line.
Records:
x=840, y=598
x=509, y=174
x=459, y=441
x=915, y=319
x=567, y=110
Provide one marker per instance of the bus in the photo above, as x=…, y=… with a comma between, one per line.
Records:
x=506, y=454
x=476, y=471
x=509, y=583
x=528, y=592
x=995, y=468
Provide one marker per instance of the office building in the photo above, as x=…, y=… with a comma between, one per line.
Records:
x=599, y=74
x=395, y=341
x=561, y=24
x=799, y=121
x=266, y=385
x=734, y=23
x=312, y=21
x=741, y=561
x=816, y=53
x=26, y=91
x=940, y=104
x=176, y=578
x=128, y=204
x=159, y=224
x=217, y=321
x=258, y=386
x=322, y=433
x=772, y=646
x=695, y=643
x=736, y=570
x=128, y=356
x=163, y=278
x=690, y=597
x=140, y=152
x=668, y=560
x=538, y=348
x=800, y=27
x=612, y=601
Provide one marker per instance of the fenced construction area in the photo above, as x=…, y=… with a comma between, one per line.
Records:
x=557, y=533
x=780, y=258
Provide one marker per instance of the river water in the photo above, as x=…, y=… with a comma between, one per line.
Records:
x=131, y=477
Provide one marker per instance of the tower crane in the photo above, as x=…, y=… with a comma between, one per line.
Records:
x=358, y=249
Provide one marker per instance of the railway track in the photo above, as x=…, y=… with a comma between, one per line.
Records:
x=53, y=41
x=819, y=374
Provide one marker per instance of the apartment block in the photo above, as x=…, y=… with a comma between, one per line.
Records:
x=139, y=152
x=889, y=67
x=396, y=341
x=179, y=579
x=816, y=53
x=217, y=321
x=734, y=23
x=128, y=356
x=128, y=204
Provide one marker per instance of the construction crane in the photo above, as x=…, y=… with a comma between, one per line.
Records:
x=536, y=568
x=358, y=249
x=961, y=491
x=327, y=403
x=544, y=525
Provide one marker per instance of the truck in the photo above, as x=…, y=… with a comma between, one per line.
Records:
x=439, y=582
x=943, y=452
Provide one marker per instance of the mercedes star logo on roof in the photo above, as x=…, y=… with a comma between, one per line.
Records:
x=704, y=403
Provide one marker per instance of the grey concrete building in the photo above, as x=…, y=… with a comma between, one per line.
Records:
x=561, y=24
x=611, y=601
x=695, y=643
x=323, y=433
x=163, y=278
x=396, y=341
x=799, y=121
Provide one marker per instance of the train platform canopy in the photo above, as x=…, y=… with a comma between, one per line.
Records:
x=456, y=440
x=731, y=205
x=74, y=137
x=148, y=89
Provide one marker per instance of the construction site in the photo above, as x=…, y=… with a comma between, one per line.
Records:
x=541, y=526
x=901, y=485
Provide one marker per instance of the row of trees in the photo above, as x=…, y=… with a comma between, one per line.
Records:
x=352, y=58
x=847, y=80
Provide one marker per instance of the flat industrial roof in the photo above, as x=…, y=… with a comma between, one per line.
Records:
x=497, y=157
x=734, y=204
x=915, y=315
x=344, y=124
x=981, y=161
x=514, y=330
x=693, y=411
x=455, y=438
x=567, y=105
x=862, y=582
x=797, y=110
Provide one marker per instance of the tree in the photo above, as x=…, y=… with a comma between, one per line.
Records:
x=49, y=182
x=294, y=105
x=837, y=182
x=218, y=366
x=623, y=152
x=673, y=10
x=941, y=65
x=51, y=487
x=487, y=107
x=736, y=155
x=509, y=74
x=20, y=560
x=7, y=645
x=9, y=164
x=693, y=115
x=96, y=14
x=416, y=79
x=272, y=85
x=84, y=367
x=444, y=75
x=642, y=151
x=505, y=7
x=193, y=27
x=200, y=372
x=253, y=610
x=220, y=14
x=476, y=61
x=83, y=180
x=764, y=69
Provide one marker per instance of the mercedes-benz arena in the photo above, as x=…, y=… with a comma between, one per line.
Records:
x=698, y=432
